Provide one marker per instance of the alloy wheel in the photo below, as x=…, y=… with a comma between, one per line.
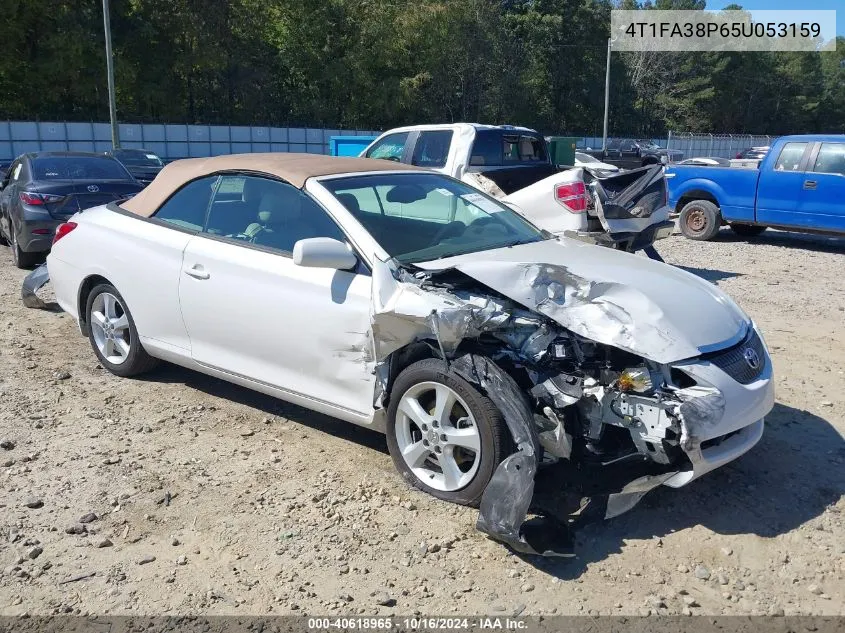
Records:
x=437, y=436
x=110, y=327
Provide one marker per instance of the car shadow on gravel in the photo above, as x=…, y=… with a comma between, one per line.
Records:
x=788, y=239
x=791, y=476
x=709, y=274
x=168, y=373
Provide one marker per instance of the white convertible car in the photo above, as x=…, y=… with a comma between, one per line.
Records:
x=408, y=302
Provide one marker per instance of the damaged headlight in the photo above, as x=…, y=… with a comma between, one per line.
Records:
x=636, y=380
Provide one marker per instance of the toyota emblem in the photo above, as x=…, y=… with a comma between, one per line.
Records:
x=752, y=358
x=93, y=188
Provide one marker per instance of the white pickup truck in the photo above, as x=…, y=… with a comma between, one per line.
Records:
x=627, y=211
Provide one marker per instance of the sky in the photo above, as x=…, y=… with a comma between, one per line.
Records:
x=793, y=5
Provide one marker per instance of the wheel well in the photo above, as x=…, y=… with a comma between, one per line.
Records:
x=402, y=358
x=695, y=194
x=84, y=290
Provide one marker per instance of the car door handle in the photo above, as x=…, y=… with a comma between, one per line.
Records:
x=810, y=184
x=196, y=271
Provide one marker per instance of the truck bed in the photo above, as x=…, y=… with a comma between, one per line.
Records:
x=511, y=179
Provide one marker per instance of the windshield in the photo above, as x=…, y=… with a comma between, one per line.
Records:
x=78, y=168
x=137, y=158
x=418, y=217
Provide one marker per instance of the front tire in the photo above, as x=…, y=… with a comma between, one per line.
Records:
x=700, y=220
x=113, y=334
x=747, y=230
x=445, y=436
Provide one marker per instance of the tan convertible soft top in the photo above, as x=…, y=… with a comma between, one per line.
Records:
x=294, y=168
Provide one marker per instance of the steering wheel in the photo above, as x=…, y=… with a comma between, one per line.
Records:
x=453, y=229
x=395, y=159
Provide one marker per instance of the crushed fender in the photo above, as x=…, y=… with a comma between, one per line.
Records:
x=32, y=283
x=507, y=498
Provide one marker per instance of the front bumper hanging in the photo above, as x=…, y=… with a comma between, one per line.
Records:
x=32, y=283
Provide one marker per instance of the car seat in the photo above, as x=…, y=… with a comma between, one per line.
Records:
x=228, y=217
x=281, y=222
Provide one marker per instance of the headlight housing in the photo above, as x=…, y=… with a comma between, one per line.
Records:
x=636, y=380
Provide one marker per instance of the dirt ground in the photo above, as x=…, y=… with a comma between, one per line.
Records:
x=205, y=498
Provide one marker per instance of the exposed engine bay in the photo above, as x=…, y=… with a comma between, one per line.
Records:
x=579, y=387
x=563, y=395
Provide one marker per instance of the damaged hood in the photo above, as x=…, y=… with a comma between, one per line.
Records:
x=654, y=310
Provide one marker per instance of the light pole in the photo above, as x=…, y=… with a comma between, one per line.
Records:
x=606, y=99
x=115, y=135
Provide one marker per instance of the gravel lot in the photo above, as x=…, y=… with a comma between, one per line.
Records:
x=182, y=494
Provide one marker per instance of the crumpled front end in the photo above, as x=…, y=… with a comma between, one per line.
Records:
x=563, y=359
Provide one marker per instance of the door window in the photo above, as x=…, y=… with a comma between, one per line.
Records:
x=391, y=147
x=831, y=159
x=267, y=213
x=432, y=148
x=187, y=207
x=790, y=157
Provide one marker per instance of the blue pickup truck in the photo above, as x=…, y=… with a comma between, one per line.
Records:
x=799, y=186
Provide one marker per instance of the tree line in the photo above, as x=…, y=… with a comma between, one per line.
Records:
x=381, y=63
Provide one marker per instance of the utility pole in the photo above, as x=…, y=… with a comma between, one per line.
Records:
x=115, y=135
x=606, y=99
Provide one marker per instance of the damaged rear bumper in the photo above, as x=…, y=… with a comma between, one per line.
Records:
x=628, y=241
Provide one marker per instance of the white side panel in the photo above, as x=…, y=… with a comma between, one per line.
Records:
x=371, y=420
x=537, y=204
x=258, y=315
x=66, y=280
x=142, y=259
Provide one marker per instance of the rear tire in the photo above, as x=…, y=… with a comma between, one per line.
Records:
x=700, y=220
x=21, y=258
x=747, y=230
x=113, y=335
x=414, y=433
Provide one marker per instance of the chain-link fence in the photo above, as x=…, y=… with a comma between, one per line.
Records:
x=691, y=144
x=694, y=145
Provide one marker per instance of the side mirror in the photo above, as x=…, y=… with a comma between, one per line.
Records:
x=323, y=252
